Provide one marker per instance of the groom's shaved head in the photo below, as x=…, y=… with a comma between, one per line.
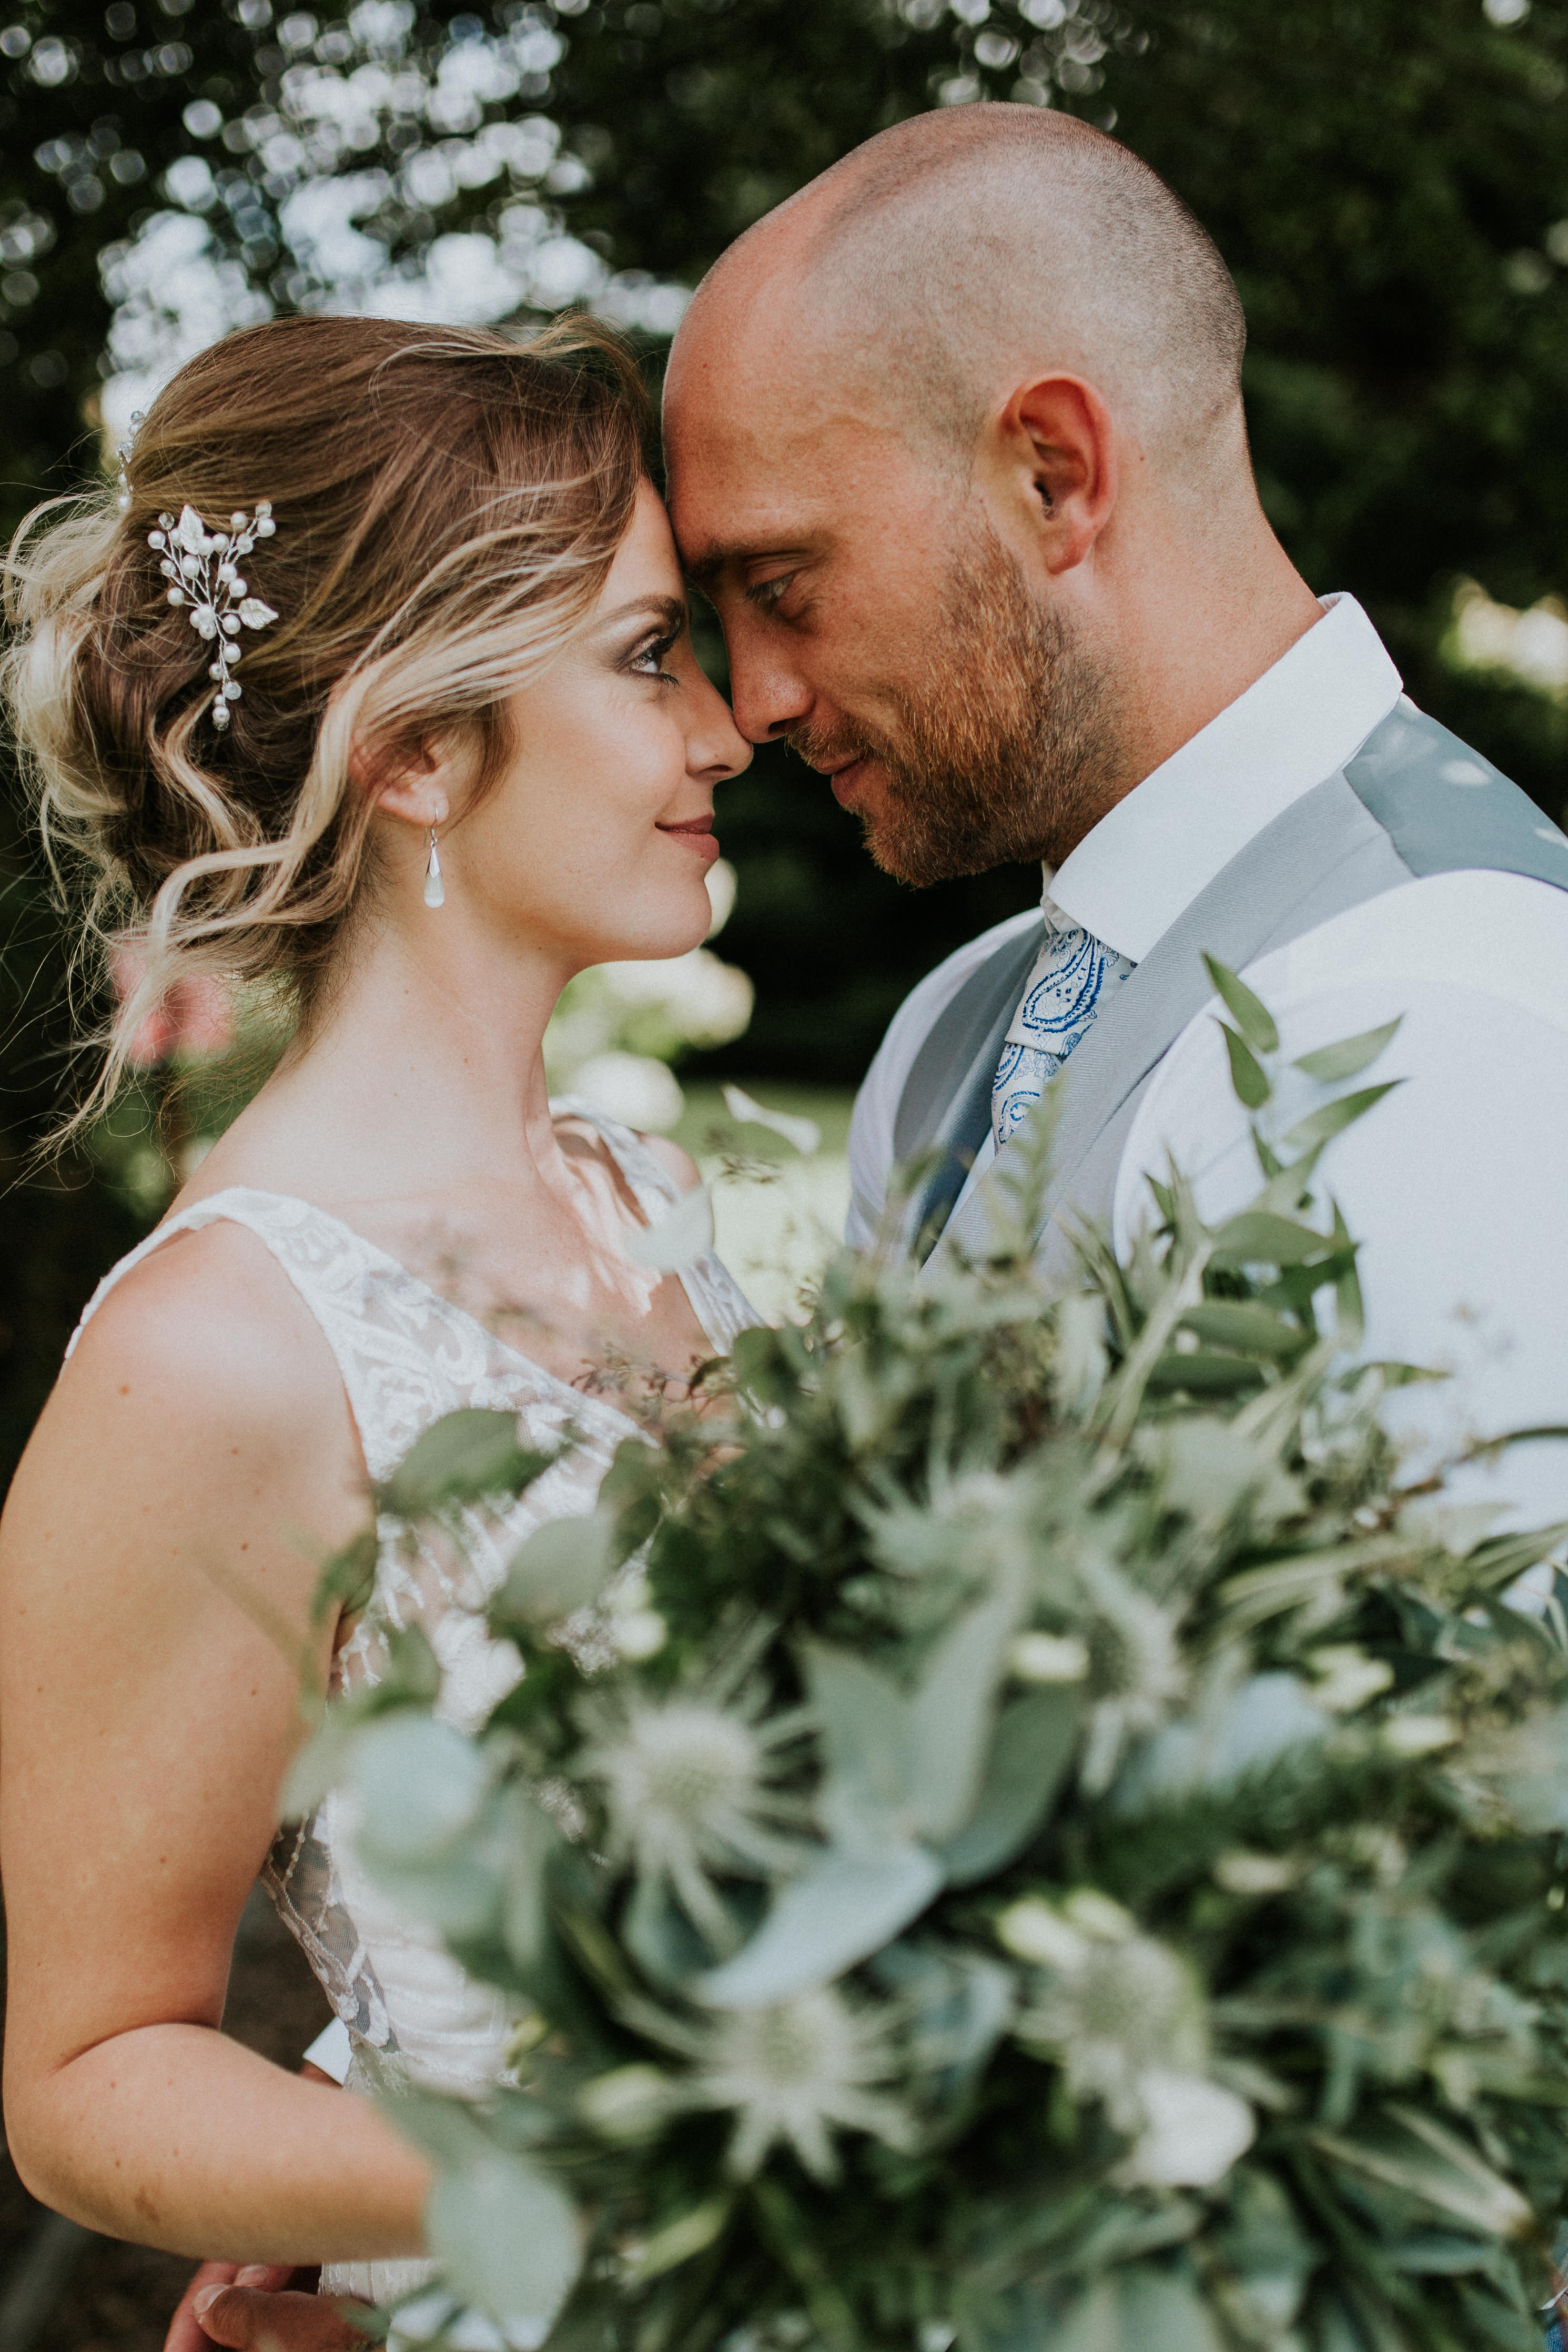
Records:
x=957, y=248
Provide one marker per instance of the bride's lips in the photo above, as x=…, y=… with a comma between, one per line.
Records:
x=697, y=834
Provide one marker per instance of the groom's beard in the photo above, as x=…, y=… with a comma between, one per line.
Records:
x=1003, y=751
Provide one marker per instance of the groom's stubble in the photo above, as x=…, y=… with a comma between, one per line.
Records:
x=1005, y=741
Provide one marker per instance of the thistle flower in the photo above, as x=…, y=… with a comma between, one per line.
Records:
x=1112, y=2009
x=1123, y=2017
x=691, y=1790
x=1134, y=1674
x=792, y=2071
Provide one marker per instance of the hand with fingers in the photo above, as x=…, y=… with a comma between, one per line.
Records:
x=254, y=2305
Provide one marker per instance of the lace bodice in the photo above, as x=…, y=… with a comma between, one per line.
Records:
x=408, y=1356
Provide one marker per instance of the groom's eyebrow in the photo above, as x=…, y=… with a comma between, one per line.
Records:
x=708, y=569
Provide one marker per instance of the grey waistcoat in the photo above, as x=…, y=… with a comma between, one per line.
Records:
x=1414, y=801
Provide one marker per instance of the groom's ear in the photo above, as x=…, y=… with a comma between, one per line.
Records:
x=1054, y=464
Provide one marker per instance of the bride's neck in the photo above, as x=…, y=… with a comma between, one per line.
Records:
x=423, y=1073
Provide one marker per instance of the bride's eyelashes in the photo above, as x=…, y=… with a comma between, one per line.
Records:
x=649, y=657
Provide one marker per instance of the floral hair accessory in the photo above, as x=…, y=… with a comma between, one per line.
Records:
x=203, y=568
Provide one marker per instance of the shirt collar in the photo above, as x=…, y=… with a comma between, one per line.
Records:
x=1150, y=855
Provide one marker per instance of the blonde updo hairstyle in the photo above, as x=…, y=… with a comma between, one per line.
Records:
x=448, y=502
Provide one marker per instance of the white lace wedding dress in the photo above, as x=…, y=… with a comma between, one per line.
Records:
x=407, y=1356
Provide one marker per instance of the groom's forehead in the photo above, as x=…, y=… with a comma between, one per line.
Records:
x=743, y=486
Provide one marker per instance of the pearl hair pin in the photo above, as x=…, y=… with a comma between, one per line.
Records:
x=203, y=568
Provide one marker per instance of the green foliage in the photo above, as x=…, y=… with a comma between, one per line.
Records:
x=469, y=1457
x=1078, y=1866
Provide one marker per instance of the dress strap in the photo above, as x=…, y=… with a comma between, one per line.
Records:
x=652, y=1186
x=185, y=1221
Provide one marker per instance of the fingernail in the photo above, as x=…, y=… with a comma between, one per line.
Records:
x=203, y=2299
x=254, y=2274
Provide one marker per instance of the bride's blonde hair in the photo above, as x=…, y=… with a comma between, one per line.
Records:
x=448, y=502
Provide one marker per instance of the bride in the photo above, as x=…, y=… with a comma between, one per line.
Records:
x=376, y=688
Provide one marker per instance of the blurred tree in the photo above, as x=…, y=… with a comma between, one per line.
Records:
x=1388, y=184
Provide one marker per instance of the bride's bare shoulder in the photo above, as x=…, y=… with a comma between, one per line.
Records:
x=202, y=1375
x=211, y=1319
x=201, y=1426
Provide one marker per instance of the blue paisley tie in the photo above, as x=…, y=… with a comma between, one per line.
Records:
x=1073, y=975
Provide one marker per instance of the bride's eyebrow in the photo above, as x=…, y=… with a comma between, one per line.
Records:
x=668, y=609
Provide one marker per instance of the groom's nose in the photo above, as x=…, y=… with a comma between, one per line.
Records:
x=768, y=690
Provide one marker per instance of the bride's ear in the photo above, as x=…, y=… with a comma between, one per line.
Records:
x=419, y=783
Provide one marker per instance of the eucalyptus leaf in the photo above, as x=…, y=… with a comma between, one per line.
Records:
x=842, y=1907
x=466, y=1457
x=1030, y=1750
x=420, y=1785
x=320, y=1765
x=951, y=1717
x=1160, y=2307
x=863, y=1719
x=1250, y=1015
x=348, y=1578
x=561, y=1568
x=1349, y=1056
x=509, y=2240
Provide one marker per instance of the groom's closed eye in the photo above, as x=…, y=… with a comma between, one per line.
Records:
x=769, y=594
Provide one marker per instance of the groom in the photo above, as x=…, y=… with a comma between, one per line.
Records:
x=956, y=447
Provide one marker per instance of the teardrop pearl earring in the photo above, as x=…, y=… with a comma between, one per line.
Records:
x=434, y=888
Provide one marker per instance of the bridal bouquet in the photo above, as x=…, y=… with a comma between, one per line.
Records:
x=1022, y=1834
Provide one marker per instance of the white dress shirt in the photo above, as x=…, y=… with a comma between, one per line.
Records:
x=1457, y=1185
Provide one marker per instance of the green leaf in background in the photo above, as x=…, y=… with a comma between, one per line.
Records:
x=679, y=2240
x=1349, y=1057
x=1247, y=1074
x=559, y=1568
x=1257, y=1237
x=348, y=1578
x=1410, y=2151
x=1246, y=1326
x=467, y=1456
x=1252, y=1016
x=1030, y=1750
x=1319, y=1126
x=632, y=1489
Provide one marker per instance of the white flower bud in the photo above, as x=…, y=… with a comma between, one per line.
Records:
x=1196, y=2130
x=1048, y=1658
x=1420, y=1735
x=1033, y=1931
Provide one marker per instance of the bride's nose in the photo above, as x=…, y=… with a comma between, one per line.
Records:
x=715, y=748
